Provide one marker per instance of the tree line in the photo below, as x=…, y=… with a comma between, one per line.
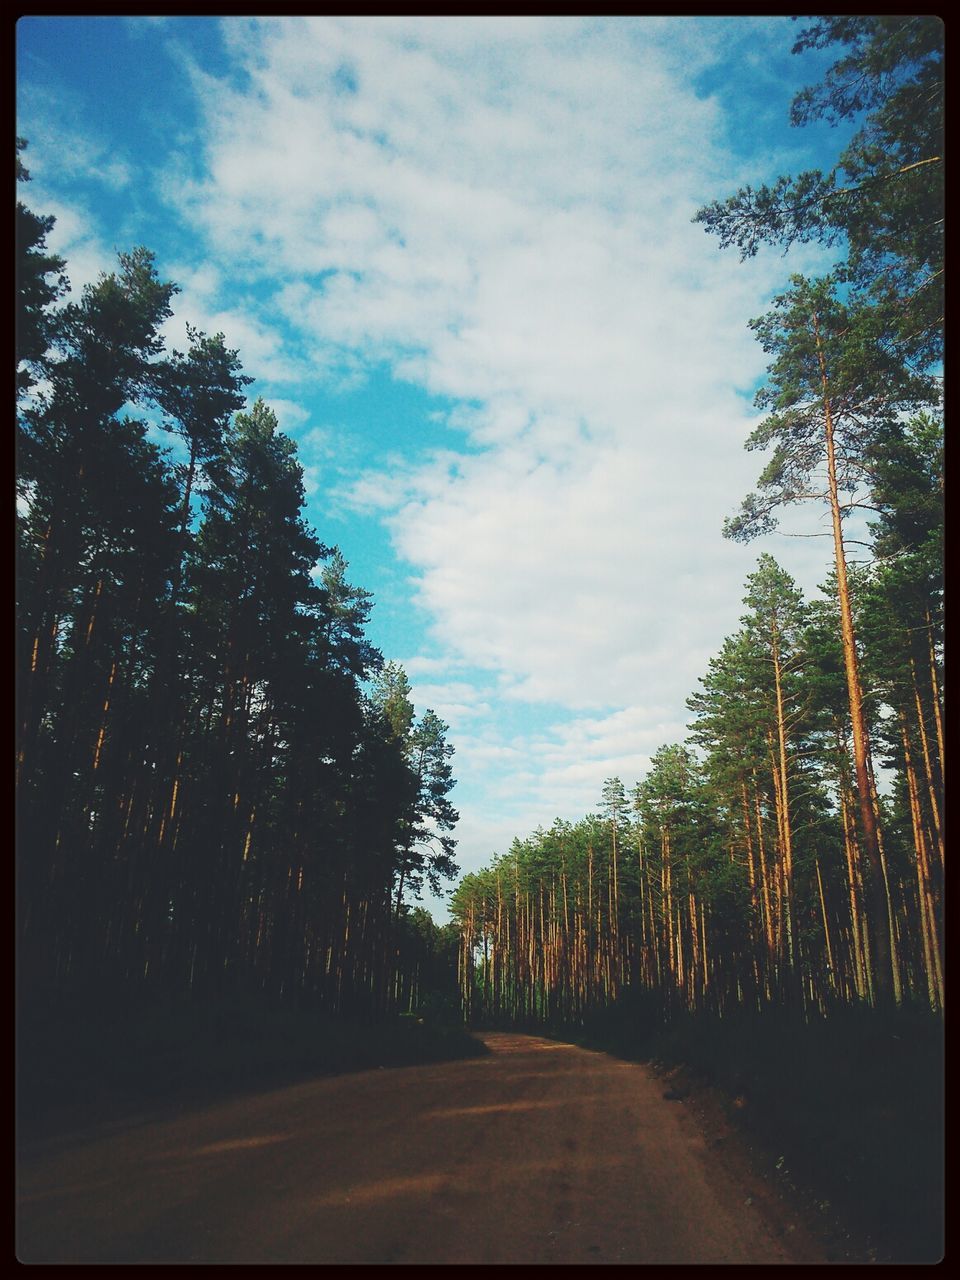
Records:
x=221, y=786
x=760, y=862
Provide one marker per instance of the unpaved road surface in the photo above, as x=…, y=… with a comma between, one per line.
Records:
x=540, y=1152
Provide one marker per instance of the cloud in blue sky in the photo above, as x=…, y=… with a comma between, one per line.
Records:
x=496, y=212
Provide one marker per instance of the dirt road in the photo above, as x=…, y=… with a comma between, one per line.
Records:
x=540, y=1152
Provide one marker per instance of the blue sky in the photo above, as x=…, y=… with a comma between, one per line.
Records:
x=457, y=256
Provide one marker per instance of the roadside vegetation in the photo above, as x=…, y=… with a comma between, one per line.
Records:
x=845, y=1115
x=101, y=1063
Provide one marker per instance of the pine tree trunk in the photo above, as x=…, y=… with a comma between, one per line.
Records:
x=927, y=767
x=928, y=920
x=860, y=968
x=831, y=976
x=861, y=743
x=934, y=686
x=786, y=825
x=765, y=894
x=891, y=919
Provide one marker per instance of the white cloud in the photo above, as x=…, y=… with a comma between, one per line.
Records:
x=290, y=415
x=73, y=238
x=457, y=702
x=317, y=441
x=500, y=210
x=200, y=282
x=60, y=150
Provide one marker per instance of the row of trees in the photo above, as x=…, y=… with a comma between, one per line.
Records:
x=220, y=785
x=763, y=862
x=735, y=872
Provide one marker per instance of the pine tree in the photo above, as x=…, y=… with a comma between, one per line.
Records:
x=882, y=203
x=37, y=292
x=835, y=381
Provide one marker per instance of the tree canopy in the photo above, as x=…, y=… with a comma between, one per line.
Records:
x=881, y=204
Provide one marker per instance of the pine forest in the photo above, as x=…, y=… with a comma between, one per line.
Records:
x=221, y=785
x=226, y=793
x=791, y=851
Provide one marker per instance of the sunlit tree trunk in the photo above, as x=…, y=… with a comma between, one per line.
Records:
x=935, y=690
x=927, y=767
x=928, y=921
x=861, y=744
x=850, y=849
x=831, y=975
x=786, y=825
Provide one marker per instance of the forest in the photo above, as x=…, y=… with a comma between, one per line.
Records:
x=221, y=785
x=227, y=806
x=789, y=853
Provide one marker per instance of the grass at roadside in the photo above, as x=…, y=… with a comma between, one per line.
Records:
x=74, y=1062
x=852, y=1106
